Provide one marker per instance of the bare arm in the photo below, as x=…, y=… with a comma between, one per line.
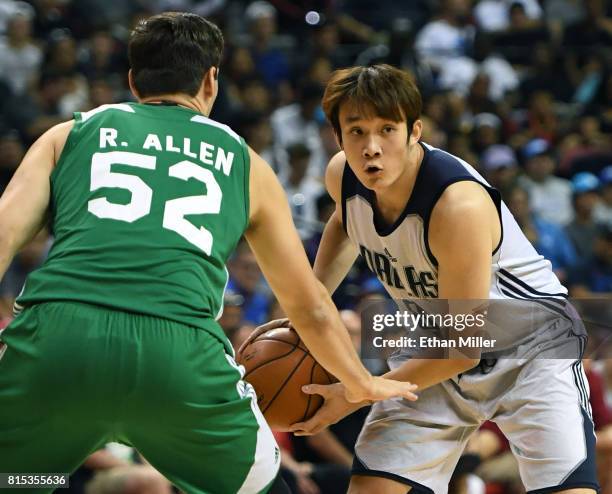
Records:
x=280, y=254
x=336, y=253
x=24, y=204
x=464, y=230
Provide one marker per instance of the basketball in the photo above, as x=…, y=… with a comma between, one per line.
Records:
x=277, y=365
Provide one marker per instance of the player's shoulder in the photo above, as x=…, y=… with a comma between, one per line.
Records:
x=333, y=175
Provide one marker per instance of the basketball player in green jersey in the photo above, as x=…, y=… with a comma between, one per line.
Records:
x=116, y=339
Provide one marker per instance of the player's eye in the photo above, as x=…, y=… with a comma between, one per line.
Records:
x=356, y=131
x=388, y=129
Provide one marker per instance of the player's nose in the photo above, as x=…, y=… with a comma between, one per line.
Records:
x=371, y=148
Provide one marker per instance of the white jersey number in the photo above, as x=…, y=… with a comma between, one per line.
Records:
x=142, y=195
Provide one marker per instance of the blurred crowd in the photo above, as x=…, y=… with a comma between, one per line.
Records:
x=520, y=89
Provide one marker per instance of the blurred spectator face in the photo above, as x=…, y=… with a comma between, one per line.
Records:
x=518, y=203
x=52, y=90
x=328, y=138
x=100, y=93
x=486, y=135
x=603, y=247
x=102, y=44
x=584, y=203
x=500, y=166
x=589, y=128
x=480, y=87
x=540, y=167
x=256, y=96
x=63, y=54
x=259, y=135
x=19, y=29
x=244, y=270
x=299, y=157
x=262, y=18
x=459, y=10
x=326, y=38
x=541, y=103
x=432, y=134
x=435, y=108
x=320, y=70
x=231, y=318
x=11, y=151
x=542, y=56
x=241, y=63
x=518, y=16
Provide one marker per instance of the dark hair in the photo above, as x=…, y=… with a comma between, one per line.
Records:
x=380, y=90
x=171, y=53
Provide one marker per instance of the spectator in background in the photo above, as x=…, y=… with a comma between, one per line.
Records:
x=20, y=57
x=550, y=197
x=245, y=278
x=256, y=129
x=302, y=190
x=448, y=37
x=103, y=58
x=29, y=258
x=232, y=317
x=548, y=239
x=11, y=153
x=593, y=278
x=300, y=122
x=603, y=209
x=500, y=167
x=495, y=15
x=487, y=130
x=269, y=59
x=61, y=59
x=583, y=230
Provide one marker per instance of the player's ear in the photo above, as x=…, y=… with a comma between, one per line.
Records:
x=210, y=82
x=415, y=134
x=131, y=83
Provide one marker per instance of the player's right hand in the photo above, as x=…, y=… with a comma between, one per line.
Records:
x=379, y=388
x=276, y=323
x=334, y=408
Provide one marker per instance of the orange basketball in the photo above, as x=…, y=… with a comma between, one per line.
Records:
x=277, y=365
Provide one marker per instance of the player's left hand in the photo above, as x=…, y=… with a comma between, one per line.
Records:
x=335, y=408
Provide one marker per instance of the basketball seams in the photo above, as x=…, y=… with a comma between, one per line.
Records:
x=287, y=379
x=294, y=348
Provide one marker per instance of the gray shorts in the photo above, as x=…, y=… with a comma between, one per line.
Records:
x=541, y=406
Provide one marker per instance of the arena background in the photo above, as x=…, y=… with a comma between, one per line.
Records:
x=522, y=90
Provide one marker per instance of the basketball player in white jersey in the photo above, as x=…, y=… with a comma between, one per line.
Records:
x=431, y=227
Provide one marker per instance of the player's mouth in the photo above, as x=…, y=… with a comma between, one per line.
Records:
x=373, y=170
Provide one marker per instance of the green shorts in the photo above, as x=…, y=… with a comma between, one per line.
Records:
x=76, y=376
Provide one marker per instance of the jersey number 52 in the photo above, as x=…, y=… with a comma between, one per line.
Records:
x=142, y=195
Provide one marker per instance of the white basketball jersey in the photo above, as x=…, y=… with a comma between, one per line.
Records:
x=400, y=256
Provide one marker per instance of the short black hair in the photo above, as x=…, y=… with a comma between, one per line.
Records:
x=172, y=51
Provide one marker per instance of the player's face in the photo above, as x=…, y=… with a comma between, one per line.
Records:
x=376, y=148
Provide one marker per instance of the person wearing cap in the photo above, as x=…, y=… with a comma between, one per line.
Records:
x=584, y=229
x=551, y=196
x=500, y=167
x=603, y=209
x=593, y=278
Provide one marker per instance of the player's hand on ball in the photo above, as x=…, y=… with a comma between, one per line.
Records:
x=259, y=330
x=335, y=408
x=379, y=388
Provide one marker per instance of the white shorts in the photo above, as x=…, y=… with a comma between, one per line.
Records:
x=541, y=406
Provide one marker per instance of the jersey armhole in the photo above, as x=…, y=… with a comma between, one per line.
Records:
x=69, y=145
x=495, y=197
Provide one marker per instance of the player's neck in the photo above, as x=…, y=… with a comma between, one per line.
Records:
x=193, y=103
x=392, y=200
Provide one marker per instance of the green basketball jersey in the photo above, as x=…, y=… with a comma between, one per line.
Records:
x=148, y=202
